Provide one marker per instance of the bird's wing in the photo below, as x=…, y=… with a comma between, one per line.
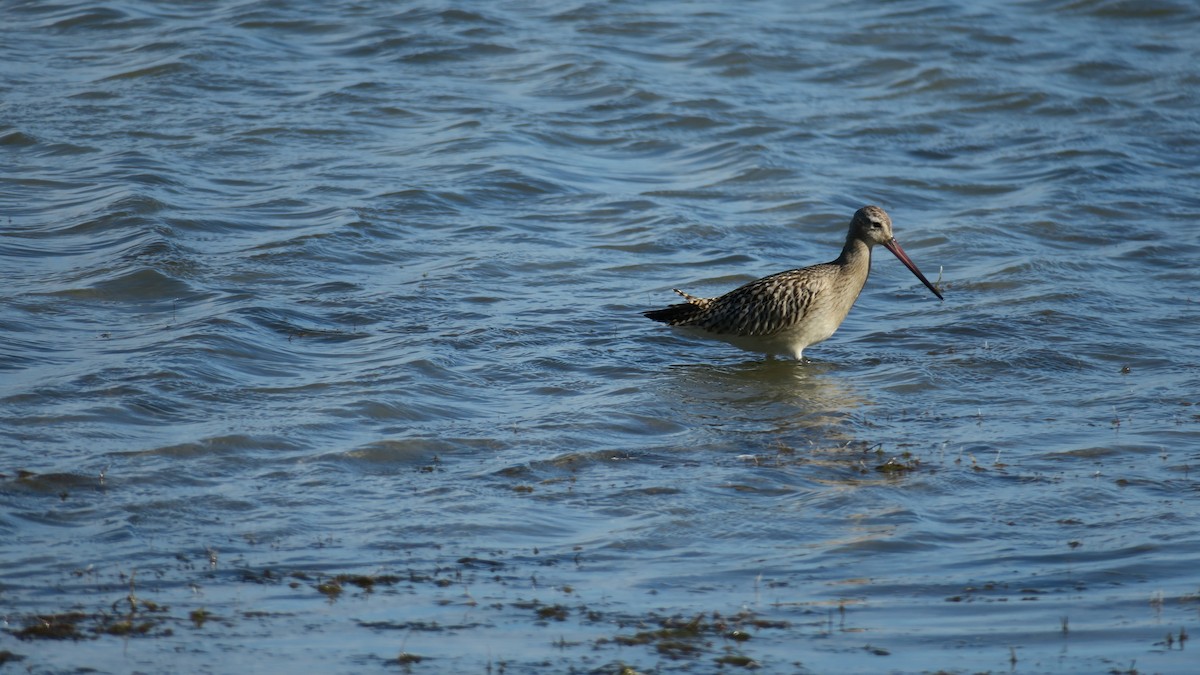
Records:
x=763, y=307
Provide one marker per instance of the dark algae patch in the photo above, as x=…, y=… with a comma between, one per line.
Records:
x=199, y=617
x=736, y=660
x=555, y=612
x=678, y=638
x=81, y=626
x=129, y=616
x=64, y=626
x=330, y=589
x=581, y=630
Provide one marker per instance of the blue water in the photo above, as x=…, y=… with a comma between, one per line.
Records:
x=321, y=346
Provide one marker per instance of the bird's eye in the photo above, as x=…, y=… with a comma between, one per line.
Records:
x=876, y=225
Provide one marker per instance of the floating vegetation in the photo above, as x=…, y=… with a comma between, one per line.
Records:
x=127, y=627
x=555, y=612
x=367, y=582
x=736, y=660
x=64, y=626
x=702, y=642
x=78, y=625
x=199, y=617
x=330, y=589
x=132, y=616
x=896, y=465
x=679, y=638
x=405, y=658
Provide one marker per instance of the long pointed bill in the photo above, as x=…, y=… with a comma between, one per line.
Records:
x=894, y=247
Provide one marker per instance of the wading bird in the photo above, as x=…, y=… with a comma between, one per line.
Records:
x=786, y=312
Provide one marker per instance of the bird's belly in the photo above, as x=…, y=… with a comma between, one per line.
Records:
x=787, y=342
x=815, y=329
x=819, y=327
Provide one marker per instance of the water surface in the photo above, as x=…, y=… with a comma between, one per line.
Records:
x=322, y=348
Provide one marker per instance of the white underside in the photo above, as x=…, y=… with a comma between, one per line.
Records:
x=790, y=342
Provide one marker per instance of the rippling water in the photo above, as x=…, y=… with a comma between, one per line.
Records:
x=322, y=348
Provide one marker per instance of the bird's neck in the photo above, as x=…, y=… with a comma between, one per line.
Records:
x=856, y=256
x=850, y=275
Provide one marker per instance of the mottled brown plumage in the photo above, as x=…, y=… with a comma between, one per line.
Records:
x=788, y=311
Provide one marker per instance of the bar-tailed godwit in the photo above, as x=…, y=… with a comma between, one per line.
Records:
x=786, y=312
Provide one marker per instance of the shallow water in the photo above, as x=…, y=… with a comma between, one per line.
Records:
x=322, y=347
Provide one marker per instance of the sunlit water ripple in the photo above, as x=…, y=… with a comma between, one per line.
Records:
x=322, y=348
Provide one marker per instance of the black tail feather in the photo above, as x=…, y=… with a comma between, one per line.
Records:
x=675, y=315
